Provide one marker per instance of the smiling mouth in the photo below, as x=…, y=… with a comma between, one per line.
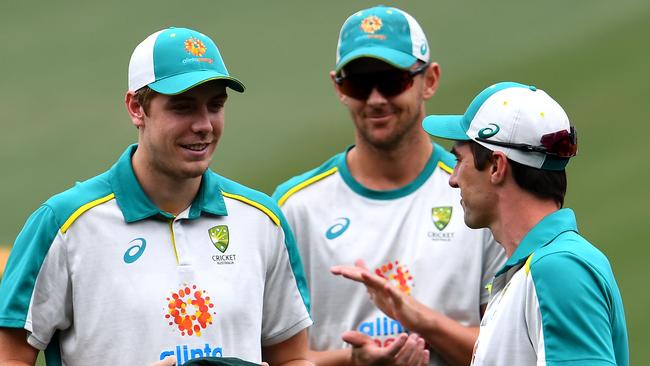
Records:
x=196, y=147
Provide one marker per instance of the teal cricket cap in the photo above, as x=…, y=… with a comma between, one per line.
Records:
x=173, y=60
x=520, y=120
x=385, y=33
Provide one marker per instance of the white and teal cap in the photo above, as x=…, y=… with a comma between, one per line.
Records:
x=174, y=60
x=510, y=114
x=385, y=33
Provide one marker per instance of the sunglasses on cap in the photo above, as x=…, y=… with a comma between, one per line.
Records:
x=563, y=144
x=388, y=83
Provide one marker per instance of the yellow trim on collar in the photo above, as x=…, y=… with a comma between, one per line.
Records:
x=306, y=183
x=527, y=265
x=80, y=211
x=257, y=205
x=445, y=167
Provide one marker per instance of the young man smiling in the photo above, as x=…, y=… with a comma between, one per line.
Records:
x=159, y=257
x=556, y=301
x=386, y=200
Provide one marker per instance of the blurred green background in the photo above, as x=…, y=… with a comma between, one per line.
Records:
x=64, y=67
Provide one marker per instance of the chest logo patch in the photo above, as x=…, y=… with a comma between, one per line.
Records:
x=441, y=216
x=338, y=228
x=220, y=237
x=135, y=251
x=188, y=310
x=398, y=274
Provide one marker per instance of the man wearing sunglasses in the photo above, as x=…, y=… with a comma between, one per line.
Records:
x=556, y=300
x=385, y=201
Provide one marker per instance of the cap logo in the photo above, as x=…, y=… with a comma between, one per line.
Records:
x=423, y=49
x=371, y=24
x=195, y=47
x=488, y=132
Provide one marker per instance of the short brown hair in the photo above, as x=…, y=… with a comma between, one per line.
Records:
x=543, y=184
x=144, y=96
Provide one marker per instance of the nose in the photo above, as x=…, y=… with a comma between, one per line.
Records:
x=202, y=122
x=375, y=97
x=453, y=179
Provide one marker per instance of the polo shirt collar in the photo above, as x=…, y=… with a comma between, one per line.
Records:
x=135, y=205
x=544, y=232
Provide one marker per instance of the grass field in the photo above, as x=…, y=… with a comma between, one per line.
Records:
x=64, y=75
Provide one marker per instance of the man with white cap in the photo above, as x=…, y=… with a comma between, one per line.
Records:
x=159, y=258
x=386, y=200
x=555, y=301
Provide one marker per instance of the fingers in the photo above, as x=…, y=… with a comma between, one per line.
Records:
x=349, y=272
x=425, y=358
x=355, y=339
x=413, y=353
x=167, y=361
x=393, y=349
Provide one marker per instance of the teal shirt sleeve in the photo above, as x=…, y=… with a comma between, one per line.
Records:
x=24, y=265
x=581, y=310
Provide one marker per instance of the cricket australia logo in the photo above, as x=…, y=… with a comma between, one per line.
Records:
x=220, y=237
x=441, y=216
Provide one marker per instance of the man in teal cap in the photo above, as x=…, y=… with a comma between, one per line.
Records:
x=385, y=200
x=159, y=258
x=555, y=301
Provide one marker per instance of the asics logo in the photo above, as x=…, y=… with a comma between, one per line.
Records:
x=134, y=252
x=337, y=229
x=488, y=132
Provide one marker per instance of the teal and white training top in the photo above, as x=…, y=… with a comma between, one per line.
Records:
x=555, y=302
x=100, y=276
x=414, y=236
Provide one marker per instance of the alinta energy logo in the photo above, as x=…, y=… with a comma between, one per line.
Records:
x=196, y=48
x=371, y=24
x=188, y=310
x=398, y=274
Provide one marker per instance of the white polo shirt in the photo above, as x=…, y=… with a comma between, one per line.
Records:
x=99, y=275
x=555, y=302
x=414, y=236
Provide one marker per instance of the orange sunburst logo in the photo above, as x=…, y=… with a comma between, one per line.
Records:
x=188, y=310
x=398, y=274
x=195, y=46
x=371, y=24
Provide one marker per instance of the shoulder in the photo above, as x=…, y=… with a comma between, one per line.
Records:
x=239, y=192
x=446, y=160
x=302, y=181
x=70, y=204
x=570, y=256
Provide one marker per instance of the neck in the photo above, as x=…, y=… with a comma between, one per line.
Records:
x=388, y=169
x=517, y=215
x=167, y=193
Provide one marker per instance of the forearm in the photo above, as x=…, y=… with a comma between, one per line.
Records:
x=448, y=338
x=339, y=357
x=14, y=349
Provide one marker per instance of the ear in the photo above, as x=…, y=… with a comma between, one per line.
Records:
x=135, y=110
x=431, y=80
x=498, y=167
x=342, y=97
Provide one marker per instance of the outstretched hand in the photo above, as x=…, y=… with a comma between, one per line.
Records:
x=406, y=350
x=388, y=298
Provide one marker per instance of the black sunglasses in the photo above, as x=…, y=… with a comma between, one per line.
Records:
x=388, y=83
x=562, y=144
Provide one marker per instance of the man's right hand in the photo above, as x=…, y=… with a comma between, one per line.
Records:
x=406, y=350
